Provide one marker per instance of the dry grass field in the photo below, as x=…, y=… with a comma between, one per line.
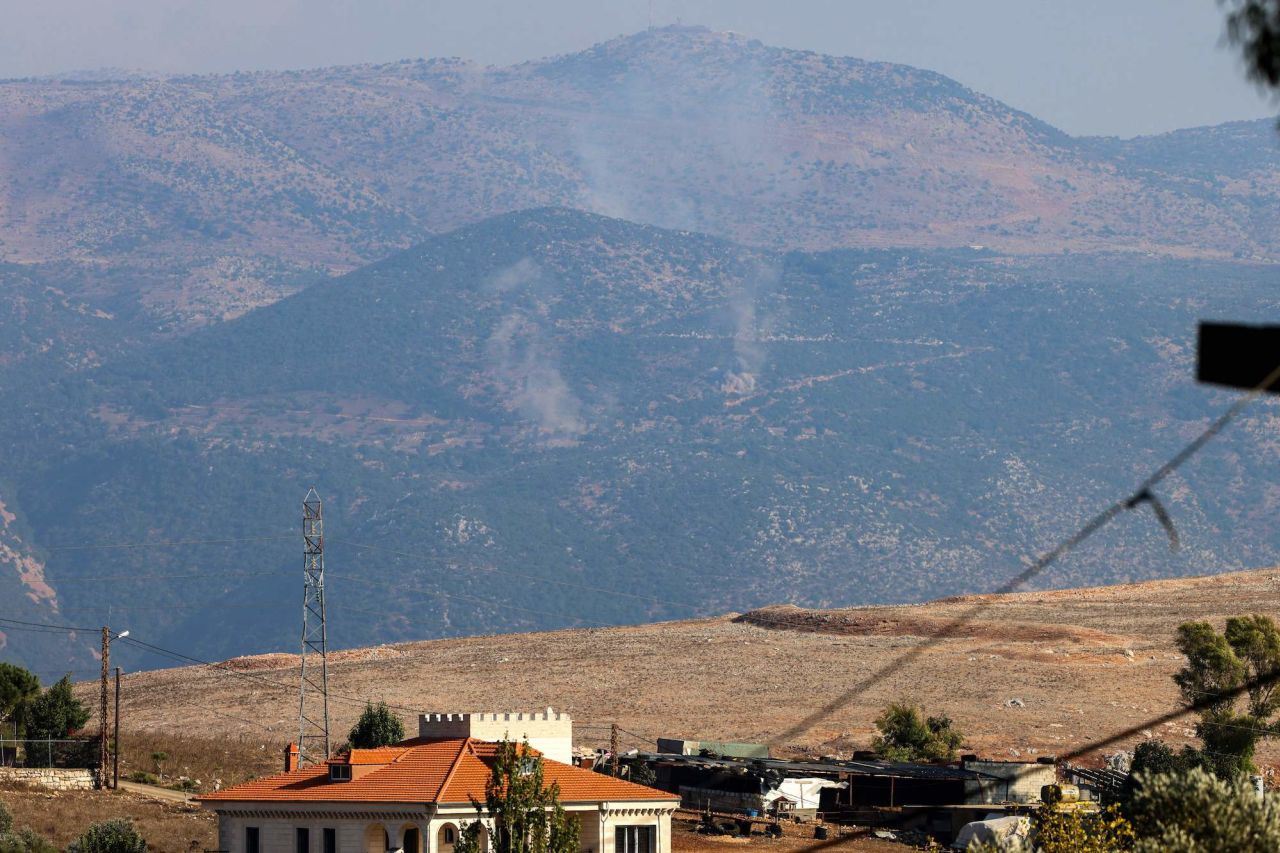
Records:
x=62, y=817
x=1082, y=662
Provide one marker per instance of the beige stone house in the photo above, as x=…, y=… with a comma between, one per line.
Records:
x=416, y=796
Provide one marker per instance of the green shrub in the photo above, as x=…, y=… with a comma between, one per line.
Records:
x=55, y=713
x=377, y=726
x=112, y=836
x=1198, y=812
x=906, y=734
x=25, y=841
x=142, y=777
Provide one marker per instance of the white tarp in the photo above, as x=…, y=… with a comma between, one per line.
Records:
x=994, y=829
x=804, y=793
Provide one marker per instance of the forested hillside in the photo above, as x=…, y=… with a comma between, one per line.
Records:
x=555, y=418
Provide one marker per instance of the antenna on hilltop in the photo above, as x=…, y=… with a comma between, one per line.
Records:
x=313, y=731
x=650, y=14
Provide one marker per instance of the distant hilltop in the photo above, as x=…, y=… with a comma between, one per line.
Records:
x=245, y=179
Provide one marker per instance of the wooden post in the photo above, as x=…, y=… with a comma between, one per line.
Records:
x=102, y=708
x=613, y=747
x=115, y=745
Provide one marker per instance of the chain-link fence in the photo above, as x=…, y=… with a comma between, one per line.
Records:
x=71, y=752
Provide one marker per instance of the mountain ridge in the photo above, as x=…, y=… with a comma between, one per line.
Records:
x=214, y=194
x=510, y=421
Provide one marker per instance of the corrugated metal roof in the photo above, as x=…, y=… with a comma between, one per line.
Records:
x=898, y=770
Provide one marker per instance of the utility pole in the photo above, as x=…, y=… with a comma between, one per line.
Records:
x=313, y=724
x=613, y=747
x=102, y=708
x=115, y=740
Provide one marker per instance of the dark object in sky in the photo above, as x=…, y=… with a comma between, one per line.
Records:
x=1254, y=27
x=1238, y=356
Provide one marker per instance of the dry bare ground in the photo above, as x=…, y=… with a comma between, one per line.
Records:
x=63, y=816
x=1083, y=662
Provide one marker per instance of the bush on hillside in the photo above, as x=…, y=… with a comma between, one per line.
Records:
x=25, y=840
x=112, y=836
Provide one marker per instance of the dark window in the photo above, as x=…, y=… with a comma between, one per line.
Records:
x=449, y=835
x=251, y=840
x=339, y=772
x=330, y=840
x=635, y=839
x=302, y=837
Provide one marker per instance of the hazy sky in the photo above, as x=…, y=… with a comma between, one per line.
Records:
x=1119, y=67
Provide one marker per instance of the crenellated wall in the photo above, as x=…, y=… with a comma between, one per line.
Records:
x=549, y=732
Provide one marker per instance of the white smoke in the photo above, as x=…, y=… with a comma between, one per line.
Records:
x=680, y=129
x=524, y=363
x=752, y=327
x=523, y=272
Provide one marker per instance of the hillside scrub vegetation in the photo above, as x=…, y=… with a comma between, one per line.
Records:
x=58, y=820
x=117, y=835
x=904, y=733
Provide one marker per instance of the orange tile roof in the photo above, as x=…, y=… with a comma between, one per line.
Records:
x=381, y=755
x=427, y=771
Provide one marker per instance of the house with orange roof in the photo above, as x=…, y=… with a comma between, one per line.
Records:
x=417, y=795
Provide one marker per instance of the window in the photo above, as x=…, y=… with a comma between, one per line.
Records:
x=330, y=840
x=449, y=835
x=302, y=840
x=635, y=839
x=339, y=772
x=251, y=844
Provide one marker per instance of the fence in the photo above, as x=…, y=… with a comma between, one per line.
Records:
x=73, y=752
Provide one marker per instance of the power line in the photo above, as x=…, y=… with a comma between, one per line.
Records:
x=218, y=668
x=45, y=625
x=1139, y=495
x=162, y=543
x=696, y=612
x=490, y=569
x=62, y=581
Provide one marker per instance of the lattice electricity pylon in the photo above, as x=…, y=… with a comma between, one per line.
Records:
x=313, y=730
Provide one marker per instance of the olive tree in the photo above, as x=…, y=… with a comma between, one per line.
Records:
x=1232, y=681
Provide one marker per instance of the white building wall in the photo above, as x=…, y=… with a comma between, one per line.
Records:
x=614, y=818
x=548, y=732
x=277, y=835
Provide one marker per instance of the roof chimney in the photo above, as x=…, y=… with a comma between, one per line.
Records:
x=291, y=758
